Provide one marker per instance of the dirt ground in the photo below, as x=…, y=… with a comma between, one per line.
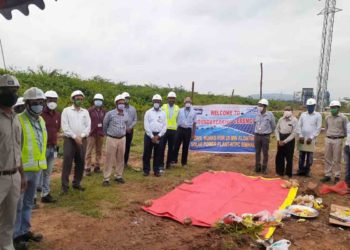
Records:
x=129, y=227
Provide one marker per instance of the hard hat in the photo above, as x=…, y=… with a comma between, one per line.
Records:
x=157, y=97
x=118, y=98
x=335, y=103
x=19, y=102
x=187, y=99
x=171, y=94
x=311, y=102
x=264, y=102
x=98, y=97
x=8, y=81
x=51, y=94
x=77, y=92
x=33, y=93
x=126, y=95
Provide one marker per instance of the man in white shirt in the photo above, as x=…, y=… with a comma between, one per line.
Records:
x=309, y=127
x=347, y=156
x=76, y=124
x=155, y=128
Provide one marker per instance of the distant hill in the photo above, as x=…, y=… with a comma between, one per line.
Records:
x=274, y=96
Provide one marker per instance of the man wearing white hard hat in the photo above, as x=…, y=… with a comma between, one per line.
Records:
x=114, y=127
x=53, y=125
x=12, y=179
x=33, y=159
x=265, y=124
x=309, y=127
x=76, y=124
x=132, y=120
x=155, y=128
x=336, y=131
x=172, y=111
x=20, y=106
x=95, y=139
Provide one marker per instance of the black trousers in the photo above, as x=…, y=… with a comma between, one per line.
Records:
x=148, y=147
x=284, y=157
x=169, y=138
x=128, y=140
x=305, y=162
x=183, y=136
x=262, y=143
x=71, y=151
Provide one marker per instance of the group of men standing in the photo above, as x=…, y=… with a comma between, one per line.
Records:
x=303, y=132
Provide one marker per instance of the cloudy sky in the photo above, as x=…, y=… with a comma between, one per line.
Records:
x=218, y=44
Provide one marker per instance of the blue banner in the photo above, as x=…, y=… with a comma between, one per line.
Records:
x=225, y=128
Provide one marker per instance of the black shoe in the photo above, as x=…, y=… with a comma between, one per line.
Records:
x=264, y=170
x=301, y=174
x=30, y=236
x=97, y=170
x=39, y=189
x=326, y=179
x=119, y=180
x=157, y=174
x=336, y=180
x=20, y=245
x=48, y=199
x=145, y=174
x=308, y=175
x=64, y=191
x=106, y=183
x=257, y=169
x=79, y=188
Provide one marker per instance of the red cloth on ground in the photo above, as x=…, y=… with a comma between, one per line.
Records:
x=340, y=188
x=212, y=195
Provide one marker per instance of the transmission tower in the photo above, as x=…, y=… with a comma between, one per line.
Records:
x=326, y=47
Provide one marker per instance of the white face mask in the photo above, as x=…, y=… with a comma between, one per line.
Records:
x=287, y=114
x=156, y=105
x=187, y=104
x=260, y=109
x=52, y=105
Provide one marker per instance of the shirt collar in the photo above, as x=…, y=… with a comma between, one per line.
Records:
x=7, y=114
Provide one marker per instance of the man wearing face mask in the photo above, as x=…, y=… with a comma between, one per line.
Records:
x=20, y=106
x=132, y=120
x=114, y=127
x=155, y=128
x=53, y=125
x=336, y=131
x=75, y=123
x=285, y=132
x=171, y=110
x=95, y=139
x=12, y=179
x=34, y=141
x=186, y=130
x=265, y=124
x=309, y=127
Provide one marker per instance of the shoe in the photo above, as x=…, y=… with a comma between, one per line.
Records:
x=97, y=170
x=119, y=180
x=264, y=170
x=79, y=188
x=257, y=169
x=157, y=174
x=308, y=175
x=48, y=199
x=64, y=191
x=30, y=236
x=145, y=174
x=336, y=180
x=88, y=172
x=20, y=245
x=325, y=179
x=106, y=183
x=301, y=174
x=39, y=189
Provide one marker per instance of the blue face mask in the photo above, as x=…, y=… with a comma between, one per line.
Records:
x=98, y=103
x=310, y=108
x=121, y=106
x=36, y=109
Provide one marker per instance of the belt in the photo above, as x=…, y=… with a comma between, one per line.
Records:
x=184, y=128
x=261, y=134
x=8, y=172
x=116, y=137
x=335, y=137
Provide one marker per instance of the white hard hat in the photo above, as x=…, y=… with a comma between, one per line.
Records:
x=126, y=95
x=119, y=97
x=311, y=102
x=172, y=94
x=19, y=102
x=264, y=102
x=98, y=97
x=33, y=93
x=51, y=94
x=8, y=81
x=157, y=97
x=77, y=92
x=335, y=103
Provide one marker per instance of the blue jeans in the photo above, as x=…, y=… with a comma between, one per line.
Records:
x=44, y=181
x=25, y=205
x=347, y=164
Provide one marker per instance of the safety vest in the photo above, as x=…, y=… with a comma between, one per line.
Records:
x=32, y=159
x=171, y=122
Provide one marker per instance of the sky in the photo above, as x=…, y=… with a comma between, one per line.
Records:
x=218, y=44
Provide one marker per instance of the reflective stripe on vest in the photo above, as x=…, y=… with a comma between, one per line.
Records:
x=32, y=159
x=171, y=123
